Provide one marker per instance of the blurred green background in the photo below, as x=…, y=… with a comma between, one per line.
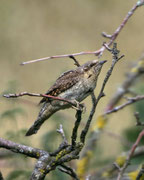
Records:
x=31, y=29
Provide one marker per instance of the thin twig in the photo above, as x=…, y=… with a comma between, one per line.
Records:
x=68, y=170
x=76, y=126
x=61, y=131
x=101, y=50
x=104, y=34
x=115, y=54
x=85, y=130
x=129, y=102
x=112, y=168
x=73, y=103
x=76, y=62
x=95, y=101
x=122, y=170
x=141, y=173
x=132, y=76
x=64, y=142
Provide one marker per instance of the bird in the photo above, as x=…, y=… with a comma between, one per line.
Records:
x=76, y=84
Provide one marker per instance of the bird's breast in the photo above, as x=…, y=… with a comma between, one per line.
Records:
x=80, y=90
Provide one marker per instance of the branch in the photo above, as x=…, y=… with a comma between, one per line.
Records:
x=64, y=153
x=85, y=130
x=141, y=173
x=129, y=102
x=39, y=171
x=69, y=171
x=122, y=170
x=46, y=162
x=100, y=51
x=83, y=163
x=76, y=126
x=73, y=103
x=95, y=101
x=22, y=149
x=132, y=76
x=76, y=62
x=61, y=131
x=111, y=169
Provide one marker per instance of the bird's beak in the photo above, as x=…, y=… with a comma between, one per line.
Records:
x=102, y=62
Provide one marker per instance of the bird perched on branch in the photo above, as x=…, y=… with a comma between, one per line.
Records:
x=75, y=84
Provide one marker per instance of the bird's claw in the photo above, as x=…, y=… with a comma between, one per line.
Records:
x=79, y=106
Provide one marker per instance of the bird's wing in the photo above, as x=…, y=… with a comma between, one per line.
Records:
x=65, y=81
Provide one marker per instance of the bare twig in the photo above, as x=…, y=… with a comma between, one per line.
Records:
x=69, y=171
x=64, y=143
x=95, y=101
x=101, y=50
x=61, y=131
x=112, y=168
x=129, y=102
x=141, y=173
x=76, y=126
x=85, y=130
x=95, y=134
x=132, y=76
x=76, y=62
x=22, y=149
x=104, y=34
x=73, y=103
x=122, y=170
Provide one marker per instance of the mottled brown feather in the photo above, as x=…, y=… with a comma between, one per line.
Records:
x=65, y=81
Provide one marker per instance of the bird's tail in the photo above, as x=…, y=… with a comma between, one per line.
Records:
x=35, y=127
x=46, y=111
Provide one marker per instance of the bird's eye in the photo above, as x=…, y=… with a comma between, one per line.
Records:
x=86, y=68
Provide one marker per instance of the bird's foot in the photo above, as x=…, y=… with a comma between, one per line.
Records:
x=79, y=106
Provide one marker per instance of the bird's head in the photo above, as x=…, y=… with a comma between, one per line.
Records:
x=93, y=66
